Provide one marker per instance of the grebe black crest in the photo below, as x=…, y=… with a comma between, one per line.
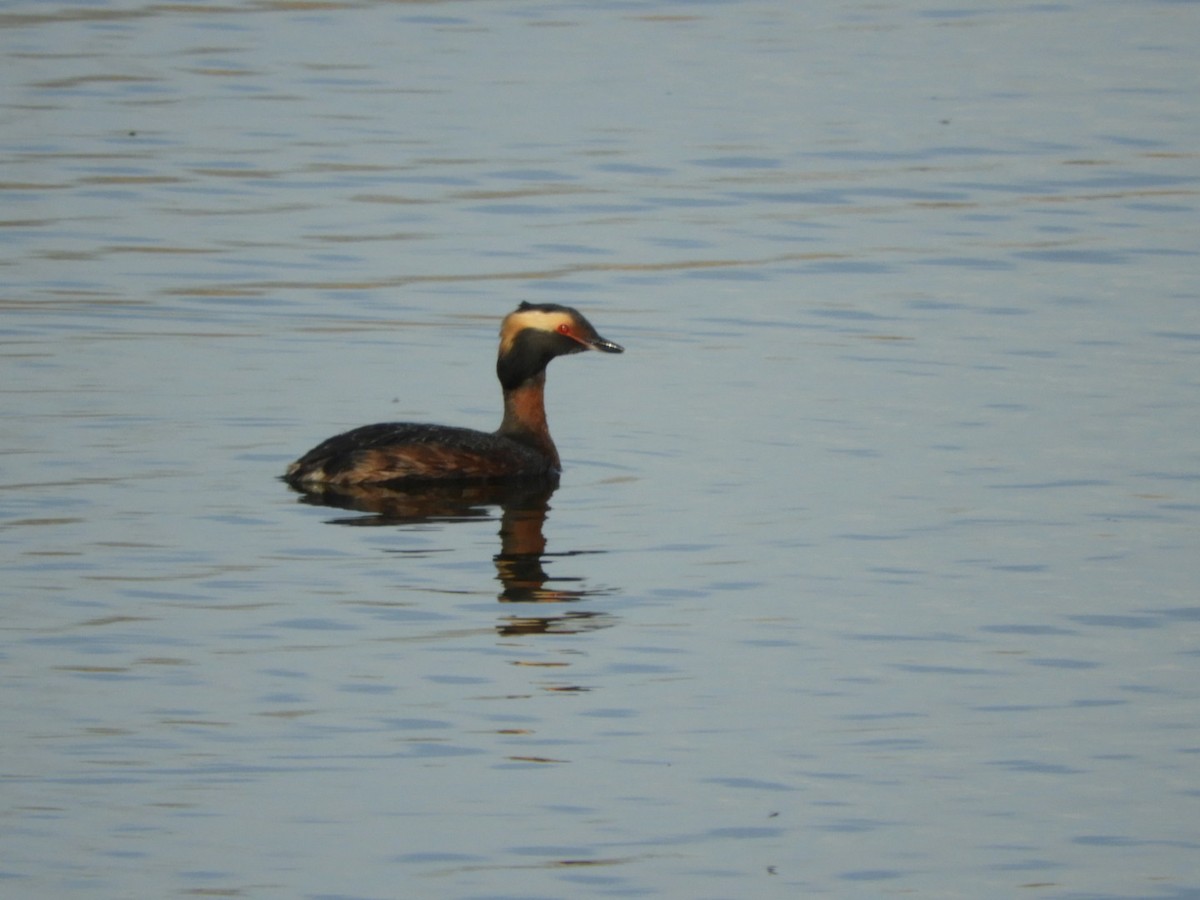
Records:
x=521, y=447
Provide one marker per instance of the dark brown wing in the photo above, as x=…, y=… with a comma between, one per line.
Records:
x=405, y=451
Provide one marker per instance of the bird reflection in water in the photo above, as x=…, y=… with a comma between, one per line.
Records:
x=520, y=564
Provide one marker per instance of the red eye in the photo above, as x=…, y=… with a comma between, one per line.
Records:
x=564, y=328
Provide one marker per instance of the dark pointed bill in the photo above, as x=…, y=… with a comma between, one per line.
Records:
x=599, y=343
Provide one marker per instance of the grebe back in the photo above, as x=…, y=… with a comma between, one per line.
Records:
x=530, y=337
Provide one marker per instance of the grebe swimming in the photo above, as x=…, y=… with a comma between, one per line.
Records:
x=530, y=337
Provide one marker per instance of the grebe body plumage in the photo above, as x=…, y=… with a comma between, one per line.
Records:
x=521, y=447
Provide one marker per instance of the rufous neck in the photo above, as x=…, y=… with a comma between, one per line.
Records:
x=525, y=416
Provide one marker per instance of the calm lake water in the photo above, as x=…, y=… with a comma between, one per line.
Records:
x=874, y=567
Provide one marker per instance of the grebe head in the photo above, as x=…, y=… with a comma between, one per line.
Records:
x=535, y=333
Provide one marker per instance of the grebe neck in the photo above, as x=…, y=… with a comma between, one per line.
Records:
x=525, y=417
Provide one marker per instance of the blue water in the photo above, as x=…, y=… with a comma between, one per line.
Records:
x=873, y=568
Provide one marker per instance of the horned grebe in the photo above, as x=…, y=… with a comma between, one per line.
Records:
x=530, y=337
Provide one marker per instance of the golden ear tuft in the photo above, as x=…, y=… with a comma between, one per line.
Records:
x=539, y=319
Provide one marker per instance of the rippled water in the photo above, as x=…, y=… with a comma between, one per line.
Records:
x=873, y=568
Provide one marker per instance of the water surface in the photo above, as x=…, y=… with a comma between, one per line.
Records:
x=873, y=568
